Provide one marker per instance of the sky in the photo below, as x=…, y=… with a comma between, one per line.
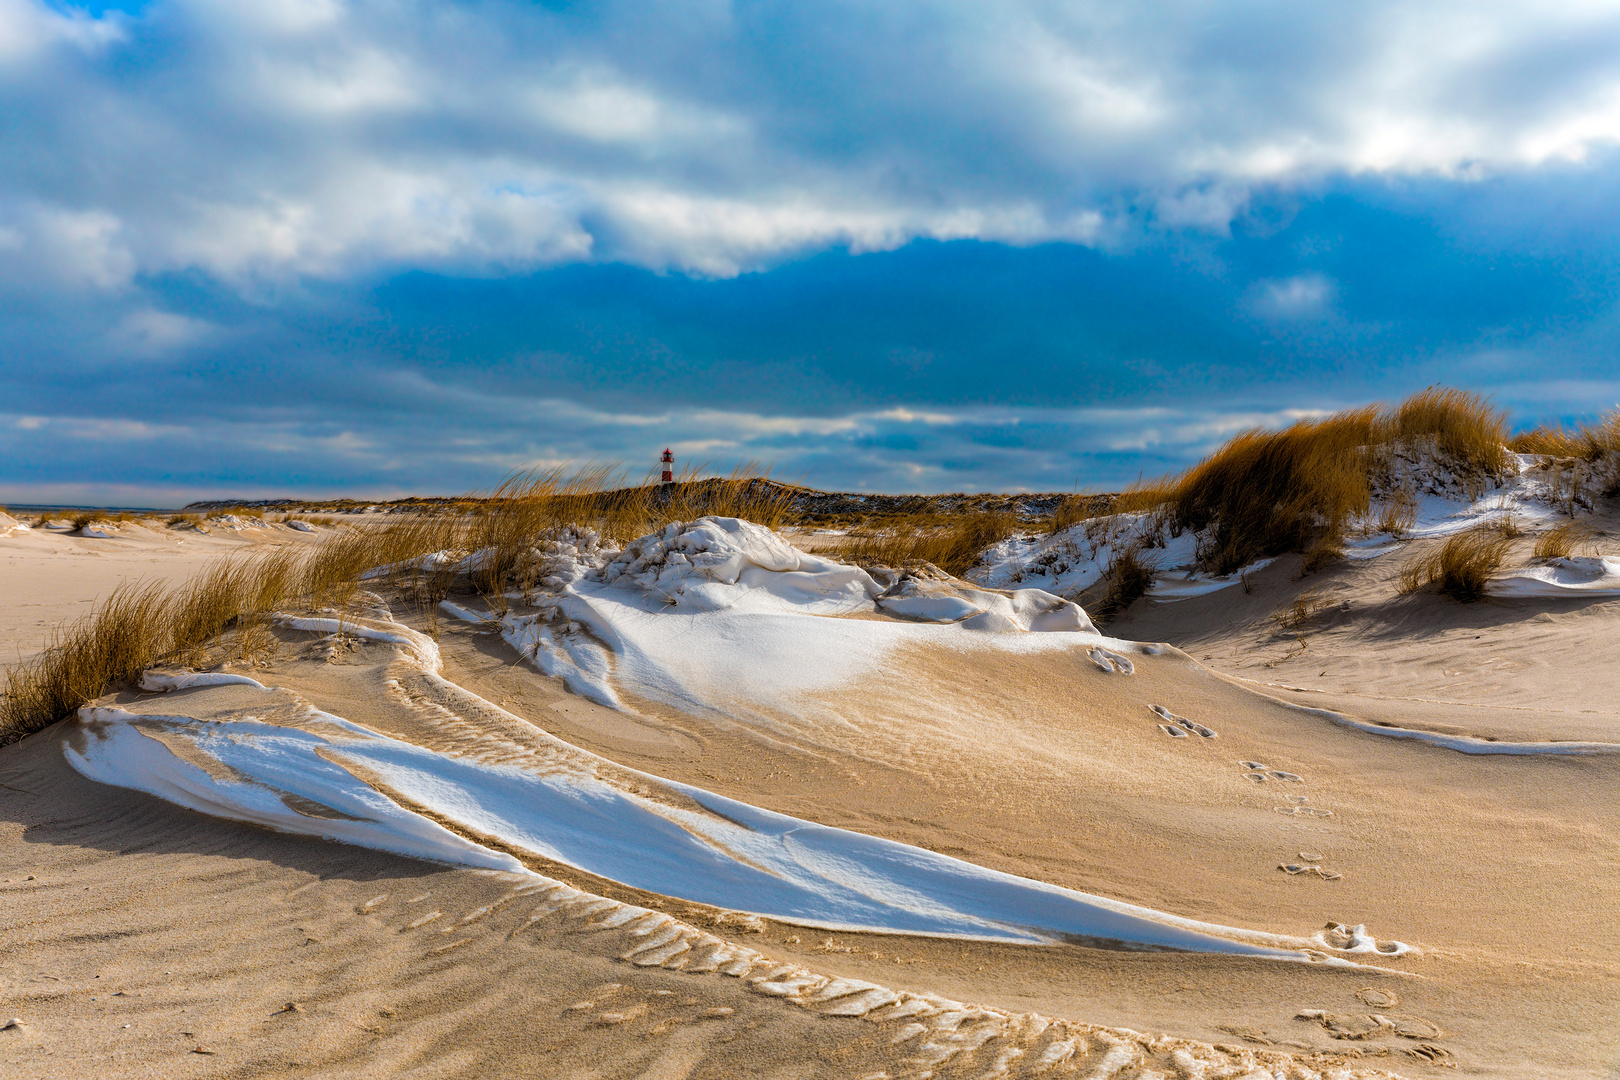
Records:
x=388, y=247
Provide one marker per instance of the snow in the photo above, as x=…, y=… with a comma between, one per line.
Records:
x=300, y=526
x=630, y=827
x=157, y=681
x=713, y=615
x=1073, y=560
x=1465, y=744
x=1573, y=576
x=1419, y=499
x=231, y=521
x=722, y=615
x=271, y=762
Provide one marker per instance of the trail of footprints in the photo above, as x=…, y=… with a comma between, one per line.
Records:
x=1179, y=727
x=931, y=1035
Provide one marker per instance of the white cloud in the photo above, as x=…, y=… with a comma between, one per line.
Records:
x=332, y=137
x=47, y=246
x=29, y=28
x=148, y=333
x=1306, y=296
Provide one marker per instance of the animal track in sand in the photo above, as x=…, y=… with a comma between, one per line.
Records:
x=1181, y=722
x=1260, y=773
x=1372, y=1025
x=1110, y=661
x=1297, y=810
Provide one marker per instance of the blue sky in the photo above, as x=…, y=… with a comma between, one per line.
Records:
x=377, y=248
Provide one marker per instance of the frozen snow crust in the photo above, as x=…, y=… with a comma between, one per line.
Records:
x=325, y=776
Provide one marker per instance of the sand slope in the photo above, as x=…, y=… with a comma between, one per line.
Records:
x=1031, y=762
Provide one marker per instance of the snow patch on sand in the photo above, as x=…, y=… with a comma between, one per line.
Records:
x=1073, y=560
x=329, y=777
x=270, y=775
x=156, y=682
x=722, y=615
x=1465, y=744
x=1418, y=498
x=1576, y=575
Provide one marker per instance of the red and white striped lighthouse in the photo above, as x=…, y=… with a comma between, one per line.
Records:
x=668, y=459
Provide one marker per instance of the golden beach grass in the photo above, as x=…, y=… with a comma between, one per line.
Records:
x=1461, y=567
x=140, y=625
x=1298, y=489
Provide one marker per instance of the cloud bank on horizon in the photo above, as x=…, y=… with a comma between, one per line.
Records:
x=322, y=245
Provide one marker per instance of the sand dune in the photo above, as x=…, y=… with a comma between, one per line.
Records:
x=590, y=851
x=50, y=575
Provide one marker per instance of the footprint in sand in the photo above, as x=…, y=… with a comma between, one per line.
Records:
x=1259, y=773
x=1378, y=999
x=1298, y=809
x=1110, y=661
x=1181, y=722
x=1373, y=1026
x=1428, y=1052
x=1341, y=1026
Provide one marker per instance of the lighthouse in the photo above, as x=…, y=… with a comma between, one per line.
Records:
x=668, y=460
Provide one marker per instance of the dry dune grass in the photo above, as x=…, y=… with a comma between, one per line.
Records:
x=1072, y=511
x=1461, y=567
x=1298, y=489
x=951, y=542
x=142, y=625
x=1562, y=541
x=1589, y=442
x=1129, y=577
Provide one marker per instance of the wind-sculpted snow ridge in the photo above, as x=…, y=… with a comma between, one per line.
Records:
x=325, y=776
x=1571, y=576
x=722, y=614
